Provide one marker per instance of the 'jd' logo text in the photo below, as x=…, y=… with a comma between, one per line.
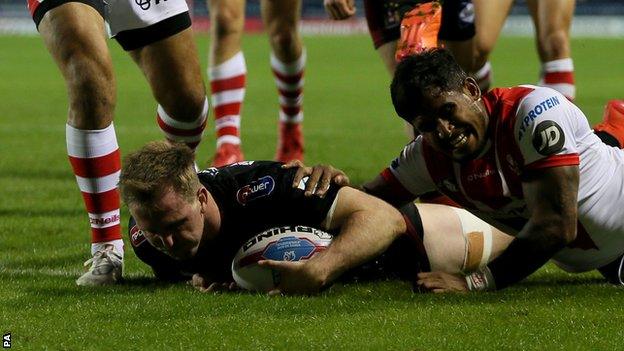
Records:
x=548, y=138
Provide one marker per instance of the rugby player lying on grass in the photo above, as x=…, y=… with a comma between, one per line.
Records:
x=192, y=224
x=523, y=159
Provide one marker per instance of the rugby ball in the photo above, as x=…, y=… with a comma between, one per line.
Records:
x=288, y=243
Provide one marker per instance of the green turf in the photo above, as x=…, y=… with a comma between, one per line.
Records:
x=350, y=123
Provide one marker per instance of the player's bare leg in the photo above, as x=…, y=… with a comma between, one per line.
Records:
x=552, y=20
x=172, y=69
x=456, y=241
x=387, y=54
x=75, y=37
x=490, y=17
x=463, y=52
x=288, y=57
x=227, y=73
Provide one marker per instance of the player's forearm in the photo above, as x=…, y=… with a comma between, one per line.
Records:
x=534, y=246
x=364, y=235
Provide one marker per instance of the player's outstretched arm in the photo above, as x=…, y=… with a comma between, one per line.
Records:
x=551, y=197
x=367, y=227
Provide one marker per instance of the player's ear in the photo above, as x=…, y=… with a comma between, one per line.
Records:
x=472, y=88
x=202, y=196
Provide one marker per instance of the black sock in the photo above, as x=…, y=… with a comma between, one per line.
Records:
x=608, y=139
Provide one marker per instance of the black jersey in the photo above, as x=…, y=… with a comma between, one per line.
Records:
x=252, y=196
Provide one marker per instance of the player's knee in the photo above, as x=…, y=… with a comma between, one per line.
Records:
x=285, y=38
x=185, y=105
x=555, y=45
x=229, y=22
x=482, y=49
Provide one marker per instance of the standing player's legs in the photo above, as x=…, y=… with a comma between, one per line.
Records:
x=75, y=36
x=552, y=19
x=490, y=17
x=288, y=58
x=227, y=73
x=171, y=66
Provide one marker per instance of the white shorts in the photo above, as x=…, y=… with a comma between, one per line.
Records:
x=134, y=23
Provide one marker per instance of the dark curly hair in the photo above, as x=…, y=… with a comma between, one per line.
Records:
x=430, y=72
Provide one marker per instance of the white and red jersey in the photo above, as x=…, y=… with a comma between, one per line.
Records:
x=531, y=128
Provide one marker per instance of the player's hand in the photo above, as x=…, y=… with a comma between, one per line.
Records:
x=295, y=277
x=440, y=282
x=203, y=284
x=339, y=9
x=319, y=177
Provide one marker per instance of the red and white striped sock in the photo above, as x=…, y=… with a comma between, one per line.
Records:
x=189, y=133
x=483, y=76
x=95, y=158
x=289, y=80
x=559, y=75
x=227, y=83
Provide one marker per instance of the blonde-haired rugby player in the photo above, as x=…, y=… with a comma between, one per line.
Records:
x=187, y=224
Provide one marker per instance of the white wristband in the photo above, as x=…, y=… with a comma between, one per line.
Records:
x=481, y=280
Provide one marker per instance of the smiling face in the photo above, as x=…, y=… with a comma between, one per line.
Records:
x=454, y=122
x=175, y=225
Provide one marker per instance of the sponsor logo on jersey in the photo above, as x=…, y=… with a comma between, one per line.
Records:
x=146, y=4
x=481, y=175
x=242, y=163
x=267, y=234
x=255, y=190
x=136, y=236
x=535, y=112
x=212, y=171
x=548, y=138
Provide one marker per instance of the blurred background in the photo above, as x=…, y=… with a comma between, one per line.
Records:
x=600, y=18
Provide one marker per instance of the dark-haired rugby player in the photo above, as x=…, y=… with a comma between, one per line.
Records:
x=523, y=159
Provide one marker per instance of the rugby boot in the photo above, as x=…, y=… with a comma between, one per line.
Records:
x=613, y=121
x=419, y=29
x=290, y=142
x=106, y=268
x=227, y=154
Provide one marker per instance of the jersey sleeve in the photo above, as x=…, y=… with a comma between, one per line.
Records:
x=408, y=173
x=546, y=129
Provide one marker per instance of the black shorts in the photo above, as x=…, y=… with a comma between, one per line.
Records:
x=384, y=19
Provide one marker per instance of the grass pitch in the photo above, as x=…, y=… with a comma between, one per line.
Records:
x=349, y=123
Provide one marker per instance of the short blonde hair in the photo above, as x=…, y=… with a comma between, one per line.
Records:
x=154, y=168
